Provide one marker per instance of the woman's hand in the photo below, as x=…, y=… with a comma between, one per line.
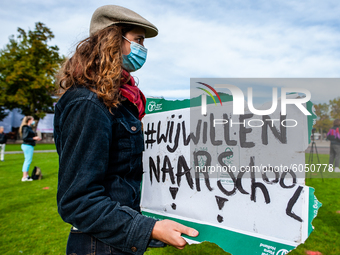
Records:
x=37, y=138
x=169, y=232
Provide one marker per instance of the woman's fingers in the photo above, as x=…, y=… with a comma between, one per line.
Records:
x=169, y=232
x=186, y=230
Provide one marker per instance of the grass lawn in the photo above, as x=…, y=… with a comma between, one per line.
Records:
x=30, y=224
x=29, y=221
x=39, y=146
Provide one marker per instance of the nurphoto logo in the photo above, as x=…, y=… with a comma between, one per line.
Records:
x=238, y=99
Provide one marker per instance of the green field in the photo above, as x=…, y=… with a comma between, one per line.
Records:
x=30, y=224
x=39, y=146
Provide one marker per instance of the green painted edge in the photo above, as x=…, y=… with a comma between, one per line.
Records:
x=313, y=208
x=310, y=119
x=170, y=105
x=230, y=241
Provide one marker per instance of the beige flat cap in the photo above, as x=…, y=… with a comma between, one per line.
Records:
x=108, y=15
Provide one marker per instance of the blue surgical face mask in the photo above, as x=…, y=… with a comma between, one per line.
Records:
x=136, y=58
x=33, y=122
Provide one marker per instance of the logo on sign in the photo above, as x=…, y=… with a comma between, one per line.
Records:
x=282, y=252
x=153, y=106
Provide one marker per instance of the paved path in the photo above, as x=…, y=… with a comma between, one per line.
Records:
x=36, y=151
x=321, y=150
x=321, y=146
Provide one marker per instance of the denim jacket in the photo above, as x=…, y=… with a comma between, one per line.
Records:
x=27, y=135
x=100, y=170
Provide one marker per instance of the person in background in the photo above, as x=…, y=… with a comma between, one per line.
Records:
x=334, y=136
x=29, y=138
x=99, y=139
x=3, y=140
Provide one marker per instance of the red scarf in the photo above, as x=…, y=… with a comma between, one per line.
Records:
x=132, y=93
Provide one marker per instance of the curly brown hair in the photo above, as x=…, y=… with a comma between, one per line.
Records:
x=97, y=65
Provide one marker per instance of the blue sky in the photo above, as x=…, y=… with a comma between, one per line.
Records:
x=207, y=39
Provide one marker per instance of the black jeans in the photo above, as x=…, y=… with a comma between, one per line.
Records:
x=80, y=243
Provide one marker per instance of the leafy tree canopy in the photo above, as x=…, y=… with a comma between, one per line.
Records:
x=27, y=71
x=335, y=108
x=323, y=122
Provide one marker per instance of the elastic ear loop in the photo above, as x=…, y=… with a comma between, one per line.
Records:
x=126, y=39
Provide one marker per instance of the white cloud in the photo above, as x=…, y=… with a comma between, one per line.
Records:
x=206, y=39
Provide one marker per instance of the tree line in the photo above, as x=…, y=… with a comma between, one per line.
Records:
x=326, y=114
x=28, y=66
